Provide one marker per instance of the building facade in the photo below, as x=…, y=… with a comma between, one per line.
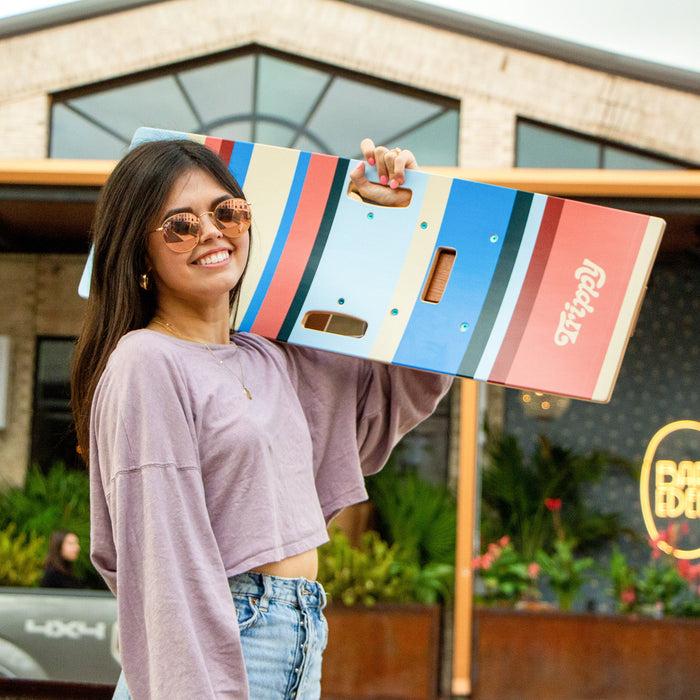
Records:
x=493, y=81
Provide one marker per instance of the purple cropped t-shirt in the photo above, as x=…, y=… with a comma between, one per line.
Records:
x=192, y=483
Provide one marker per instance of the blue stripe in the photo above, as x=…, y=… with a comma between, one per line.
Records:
x=240, y=160
x=499, y=284
x=475, y=222
x=279, y=243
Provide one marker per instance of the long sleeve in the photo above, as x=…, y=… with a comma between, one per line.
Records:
x=178, y=626
x=192, y=482
x=357, y=411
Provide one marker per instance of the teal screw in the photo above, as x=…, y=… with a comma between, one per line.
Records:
x=463, y=327
x=394, y=312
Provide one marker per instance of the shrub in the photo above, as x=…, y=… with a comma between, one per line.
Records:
x=378, y=572
x=57, y=500
x=503, y=575
x=415, y=514
x=20, y=557
x=515, y=489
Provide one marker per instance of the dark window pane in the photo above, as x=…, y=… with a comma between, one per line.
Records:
x=53, y=437
x=618, y=158
x=539, y=147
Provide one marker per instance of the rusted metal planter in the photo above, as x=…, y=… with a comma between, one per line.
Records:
x=384, y=651
x=568, y=656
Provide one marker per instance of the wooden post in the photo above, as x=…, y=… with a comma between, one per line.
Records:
x=468, y=439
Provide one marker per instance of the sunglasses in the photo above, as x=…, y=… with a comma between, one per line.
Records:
x=181, y=232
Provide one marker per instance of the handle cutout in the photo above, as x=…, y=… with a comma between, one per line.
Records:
x=440, y=271
x=338, y=324
x=406, y=195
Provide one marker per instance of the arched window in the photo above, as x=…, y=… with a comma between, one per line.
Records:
x=261, y=96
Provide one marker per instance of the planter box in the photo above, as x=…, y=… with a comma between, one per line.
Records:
x=569, y=656
x=385, y=651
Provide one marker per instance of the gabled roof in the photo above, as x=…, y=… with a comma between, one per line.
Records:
x=450, y=20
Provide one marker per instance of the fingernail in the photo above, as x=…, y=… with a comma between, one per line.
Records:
x=400, y=181
x=393, y=184
x=371, y=161
x=383, y=179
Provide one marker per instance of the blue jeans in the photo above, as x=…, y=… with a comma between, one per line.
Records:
x=283, y=635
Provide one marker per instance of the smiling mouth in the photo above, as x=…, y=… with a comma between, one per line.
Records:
x=214, y=258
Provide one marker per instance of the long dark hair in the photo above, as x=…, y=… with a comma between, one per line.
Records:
x=126, y=210
x=54, y=557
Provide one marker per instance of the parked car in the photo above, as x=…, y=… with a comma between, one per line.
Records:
x=59, y=634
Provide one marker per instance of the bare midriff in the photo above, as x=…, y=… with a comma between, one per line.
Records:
x=304, y=565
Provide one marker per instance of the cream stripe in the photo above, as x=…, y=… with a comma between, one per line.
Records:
x=418, y=259
x=629, y=310
x=268, y=164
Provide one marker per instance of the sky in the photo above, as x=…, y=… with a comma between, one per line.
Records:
x=664, y=32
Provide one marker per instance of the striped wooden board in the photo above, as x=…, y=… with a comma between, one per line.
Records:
x=470, y=279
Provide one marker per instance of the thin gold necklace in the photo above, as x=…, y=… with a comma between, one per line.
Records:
x=174, y=331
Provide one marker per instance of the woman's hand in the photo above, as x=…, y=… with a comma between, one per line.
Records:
x=391, y=165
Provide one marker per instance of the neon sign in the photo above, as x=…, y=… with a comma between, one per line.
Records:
x=675, y=492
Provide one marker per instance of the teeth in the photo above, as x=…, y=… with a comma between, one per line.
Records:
x=213, y=258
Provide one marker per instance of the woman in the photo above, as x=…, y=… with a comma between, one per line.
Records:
x=63, y=551
x=217, y=459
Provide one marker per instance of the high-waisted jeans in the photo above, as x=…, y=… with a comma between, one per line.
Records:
x=283, y=634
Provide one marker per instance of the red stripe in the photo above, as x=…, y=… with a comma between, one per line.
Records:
x=589, y=237
x=222, y=147
x=300, y=242
x=528, y=293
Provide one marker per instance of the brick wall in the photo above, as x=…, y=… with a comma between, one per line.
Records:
x=38, y=296
x=493, y=83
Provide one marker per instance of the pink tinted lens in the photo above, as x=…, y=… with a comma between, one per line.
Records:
x=181, y=232
x=233, y=217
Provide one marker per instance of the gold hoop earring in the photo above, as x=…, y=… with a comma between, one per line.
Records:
x=145, y=281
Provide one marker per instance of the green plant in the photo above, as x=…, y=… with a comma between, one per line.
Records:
x=417, y=515
x=378, y=572
x=504, y=575
x=565, y=571
x=653, y=590
x=57, y=500
x=665, y=586
x=20, y=557
x=624, y=582
x=515, y=488
x=658, y=586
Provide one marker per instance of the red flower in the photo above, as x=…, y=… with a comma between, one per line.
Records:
x=690, y=572
x=683, y=566
x=627, y=596
x=553, y=504
x=484, y=562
